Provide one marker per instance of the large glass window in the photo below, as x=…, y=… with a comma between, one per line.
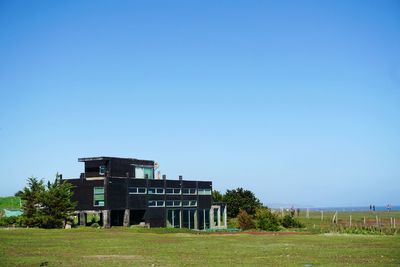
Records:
x=98, y=196
x=189, y=219
x=139, y=172
x=204, y=219
x=148, y=172
x=173, y=218
x=144, y=172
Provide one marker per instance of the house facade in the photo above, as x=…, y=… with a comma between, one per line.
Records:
x=127, y=191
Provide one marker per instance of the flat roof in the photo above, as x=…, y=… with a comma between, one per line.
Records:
x=108, y=158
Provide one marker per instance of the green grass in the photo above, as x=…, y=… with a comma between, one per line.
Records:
x=139, y=247
x=9, y=202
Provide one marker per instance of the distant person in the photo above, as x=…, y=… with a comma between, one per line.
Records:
x=370, y=207
x=298, y=212
x=373, y=207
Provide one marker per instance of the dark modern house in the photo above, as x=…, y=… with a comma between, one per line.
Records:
x=127, y=191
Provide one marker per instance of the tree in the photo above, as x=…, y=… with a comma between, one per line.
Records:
x=266, y=220
x=240, y=198
x=57, y=205
x=217, y=196
x=32, y=195
x=18, y=194
x=47, y=207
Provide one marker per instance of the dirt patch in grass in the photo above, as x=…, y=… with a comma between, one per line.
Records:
x=117, y=257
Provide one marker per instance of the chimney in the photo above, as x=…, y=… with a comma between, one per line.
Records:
x=164, y=177
x=180, y=177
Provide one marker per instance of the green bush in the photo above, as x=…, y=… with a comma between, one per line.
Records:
x=288, y=221
x=9, y=221
x=266, y=220
x=245, y=221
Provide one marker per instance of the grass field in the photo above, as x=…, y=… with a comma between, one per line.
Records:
x=315, y=223
x=131, y=247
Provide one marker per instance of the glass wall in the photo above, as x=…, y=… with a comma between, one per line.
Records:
x=173, y=218
x=189, y=219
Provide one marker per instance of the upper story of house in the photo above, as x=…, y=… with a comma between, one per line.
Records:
x=96, y=168
x=119, y=183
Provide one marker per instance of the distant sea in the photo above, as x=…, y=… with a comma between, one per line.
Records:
x=363, y=208
x=340, y=208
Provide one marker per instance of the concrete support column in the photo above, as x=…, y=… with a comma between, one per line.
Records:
x=219, y=216
x=196, y=224
x=212, y=217
x=106, y=218
x=82, y=218
x=225, y=217
x=127, y=217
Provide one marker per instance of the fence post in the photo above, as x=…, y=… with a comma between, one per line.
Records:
x=308, y=214
x=394, y=223
x=322, y=215
x=365, y=221
x=350, y=220
x=282, y=212
x=377, y=221
x=334, y=218
x=391, y=222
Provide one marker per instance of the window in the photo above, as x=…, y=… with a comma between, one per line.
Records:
x=139, y=172
x=156, y=203
x=159, y=190
x=206, y=192
x=189, y=191
x=148, y=172
x=189, y=203
x=143, y=172
x=173, y=203
x=102, y=170
x=137, y=190
x=98, y=196
x=174, y=218
x=156, y=191
x=142, y=190
x=173, y=191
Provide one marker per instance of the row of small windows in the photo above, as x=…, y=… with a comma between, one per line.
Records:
x=172, y=203
x=168, y=191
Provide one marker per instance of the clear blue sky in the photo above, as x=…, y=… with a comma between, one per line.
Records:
x=298, y=101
